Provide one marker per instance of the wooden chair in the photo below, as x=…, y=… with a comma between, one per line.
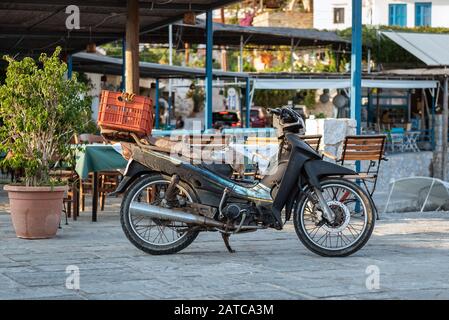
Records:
x=71, y=198
x=363, y=148
x=313, y=140
x=107, y=180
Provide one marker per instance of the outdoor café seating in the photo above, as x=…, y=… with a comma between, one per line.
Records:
x=363, y=148
x=313, y=140
x=71, y=199
x=107, y=180
x=402, y=140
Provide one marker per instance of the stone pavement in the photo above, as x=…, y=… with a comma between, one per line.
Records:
x=410, y=251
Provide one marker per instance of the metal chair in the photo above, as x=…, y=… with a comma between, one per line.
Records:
x=396, y=137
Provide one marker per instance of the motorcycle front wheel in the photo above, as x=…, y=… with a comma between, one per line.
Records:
x=353, y=224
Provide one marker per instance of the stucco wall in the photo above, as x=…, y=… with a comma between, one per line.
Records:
x=286, y=19
x=440, y=12
x=375, y=12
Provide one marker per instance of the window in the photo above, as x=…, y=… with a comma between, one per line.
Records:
x=397, y=15
x=339, y=15
x=423, y=14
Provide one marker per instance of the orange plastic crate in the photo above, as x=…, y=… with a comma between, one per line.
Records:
x=123, y=112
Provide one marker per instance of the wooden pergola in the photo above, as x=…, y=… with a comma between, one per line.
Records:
x=29, y=27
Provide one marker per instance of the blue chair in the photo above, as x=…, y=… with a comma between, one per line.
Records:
x=397, y=139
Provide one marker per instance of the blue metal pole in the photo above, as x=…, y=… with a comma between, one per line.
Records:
x=157, y=111
x=356, y=63
x=242, y=123
x=209, y=94
x=433, y=120
x=356, y=67
x=122, y=85
x=248, y=102
x=69, y=66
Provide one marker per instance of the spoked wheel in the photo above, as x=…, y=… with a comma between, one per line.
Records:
x=353, y=224
x=156, y=236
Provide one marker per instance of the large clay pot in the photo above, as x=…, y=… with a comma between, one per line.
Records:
x=35, y=211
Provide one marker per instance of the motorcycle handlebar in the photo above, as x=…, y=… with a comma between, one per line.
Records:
x=276, y=111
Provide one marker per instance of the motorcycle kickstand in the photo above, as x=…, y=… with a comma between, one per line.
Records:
x=225, y=237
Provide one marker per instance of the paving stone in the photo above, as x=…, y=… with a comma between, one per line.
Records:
x=119, y=296
x=410, y=251
x=33, y=293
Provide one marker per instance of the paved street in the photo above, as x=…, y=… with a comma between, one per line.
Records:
x=410, y=251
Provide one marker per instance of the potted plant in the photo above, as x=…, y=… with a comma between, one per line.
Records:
x=41, y=109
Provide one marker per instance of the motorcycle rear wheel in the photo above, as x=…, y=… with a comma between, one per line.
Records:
x=354, y=222
x=172, y=241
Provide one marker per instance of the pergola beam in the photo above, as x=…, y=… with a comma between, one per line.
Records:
x=444, y=174
x=132, y=47
x=13, y=33
x=209, y=71
x=118, y=4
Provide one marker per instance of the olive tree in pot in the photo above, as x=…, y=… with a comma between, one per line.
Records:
x=41, y=109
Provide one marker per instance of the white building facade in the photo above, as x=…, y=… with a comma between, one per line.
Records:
x=336, y=14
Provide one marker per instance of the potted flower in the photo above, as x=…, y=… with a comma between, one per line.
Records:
x=40, y=109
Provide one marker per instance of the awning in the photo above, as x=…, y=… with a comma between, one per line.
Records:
x=33, y=26
x=399, y=84
x=431, y=48
x=297, y=84
x=95, y=63
x=231, y=34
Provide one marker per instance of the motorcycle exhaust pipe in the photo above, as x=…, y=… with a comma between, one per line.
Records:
x=155, y=212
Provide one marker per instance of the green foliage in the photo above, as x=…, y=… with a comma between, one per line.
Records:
x=309, y=99
x=278, y=98
x=272, y=98
x=233, y=61
x=41, y=110
x=198, y=95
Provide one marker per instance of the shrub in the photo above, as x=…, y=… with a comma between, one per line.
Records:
x=41, y=110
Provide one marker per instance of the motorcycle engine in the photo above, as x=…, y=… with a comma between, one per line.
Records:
x=234, y=211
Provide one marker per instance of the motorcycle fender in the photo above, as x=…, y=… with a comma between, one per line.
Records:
x=290, y=202
x=133, y=171
x=316, y=169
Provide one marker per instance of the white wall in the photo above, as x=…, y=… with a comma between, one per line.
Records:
x=375, y=12
x=440, y=12
x=95, y=92
x=323, y=16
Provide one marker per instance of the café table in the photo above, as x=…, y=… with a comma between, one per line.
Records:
x=94, y=158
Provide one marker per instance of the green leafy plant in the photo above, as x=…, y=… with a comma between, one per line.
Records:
x=41, y=110
x=198, y=95
x=320, y=115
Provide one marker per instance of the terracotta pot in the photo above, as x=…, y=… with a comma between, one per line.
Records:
x=35, y=211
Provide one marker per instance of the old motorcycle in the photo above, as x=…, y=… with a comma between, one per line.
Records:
x=168, y=200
